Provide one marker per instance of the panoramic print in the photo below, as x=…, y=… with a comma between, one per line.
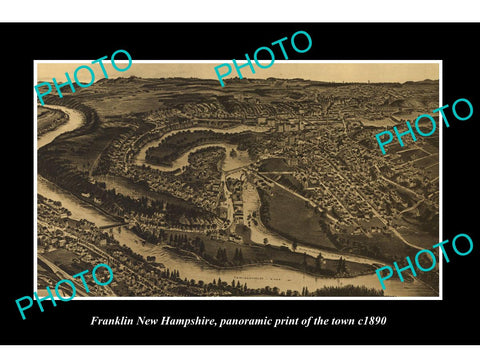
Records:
x=271, y=186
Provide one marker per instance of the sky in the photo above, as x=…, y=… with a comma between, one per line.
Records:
x=336, y=72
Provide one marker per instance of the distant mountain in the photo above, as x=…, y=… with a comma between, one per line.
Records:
x=423, y=82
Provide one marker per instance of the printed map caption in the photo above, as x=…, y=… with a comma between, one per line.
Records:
x=75, y=76
x=57, y=286
x=233, y=322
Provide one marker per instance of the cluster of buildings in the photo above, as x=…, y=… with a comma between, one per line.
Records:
x=319, y=135
x=89, y=246
x=350, y=181
x=235, y=189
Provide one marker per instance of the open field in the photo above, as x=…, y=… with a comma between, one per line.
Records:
x=254, y=254
x=426, y=161
x=413, y=154
x=64, y=260
x=419, y=238
x=419, y=228
x=433, y=171
x=290, y=217
x=380, y=246
x=274, y=164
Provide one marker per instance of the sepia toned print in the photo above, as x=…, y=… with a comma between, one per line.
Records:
x=271, y=186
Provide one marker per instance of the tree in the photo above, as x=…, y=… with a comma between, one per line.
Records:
x=294, y=245
x=344, y=266
x=318, y=262
x=222, y=255
x=341, y=266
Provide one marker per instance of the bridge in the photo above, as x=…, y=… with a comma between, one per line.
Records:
x=113, y=225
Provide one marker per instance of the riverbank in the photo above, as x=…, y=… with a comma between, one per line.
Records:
x=76, y=120
x=229, y=255
x=49, y=119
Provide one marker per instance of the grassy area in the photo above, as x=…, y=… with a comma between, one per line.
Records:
x=254, y=254
x=244, y=232
x=64, y=260
x=419, y=238
x=45, y=276
x=422, y=230
x=427, y=161
x=60, y=256
x=274, y=164
x=292, y=218
x=289, y=181
x=412, y=154
x=433, y=171
x=85, y=149
x=379, y=246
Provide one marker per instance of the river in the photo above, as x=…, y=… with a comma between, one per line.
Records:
x=75, y=120
x=255, y=276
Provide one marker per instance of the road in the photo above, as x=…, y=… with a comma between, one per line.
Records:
x=398, y=185
x=326, y=254
x=101, y=253
x=231, y=171
x=428, y=167
x=311, y=202
x=413, y=207
x=375, y=212
x=143, y=281
x=402, y=187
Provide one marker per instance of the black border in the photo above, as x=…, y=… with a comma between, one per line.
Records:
x=409, y=322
